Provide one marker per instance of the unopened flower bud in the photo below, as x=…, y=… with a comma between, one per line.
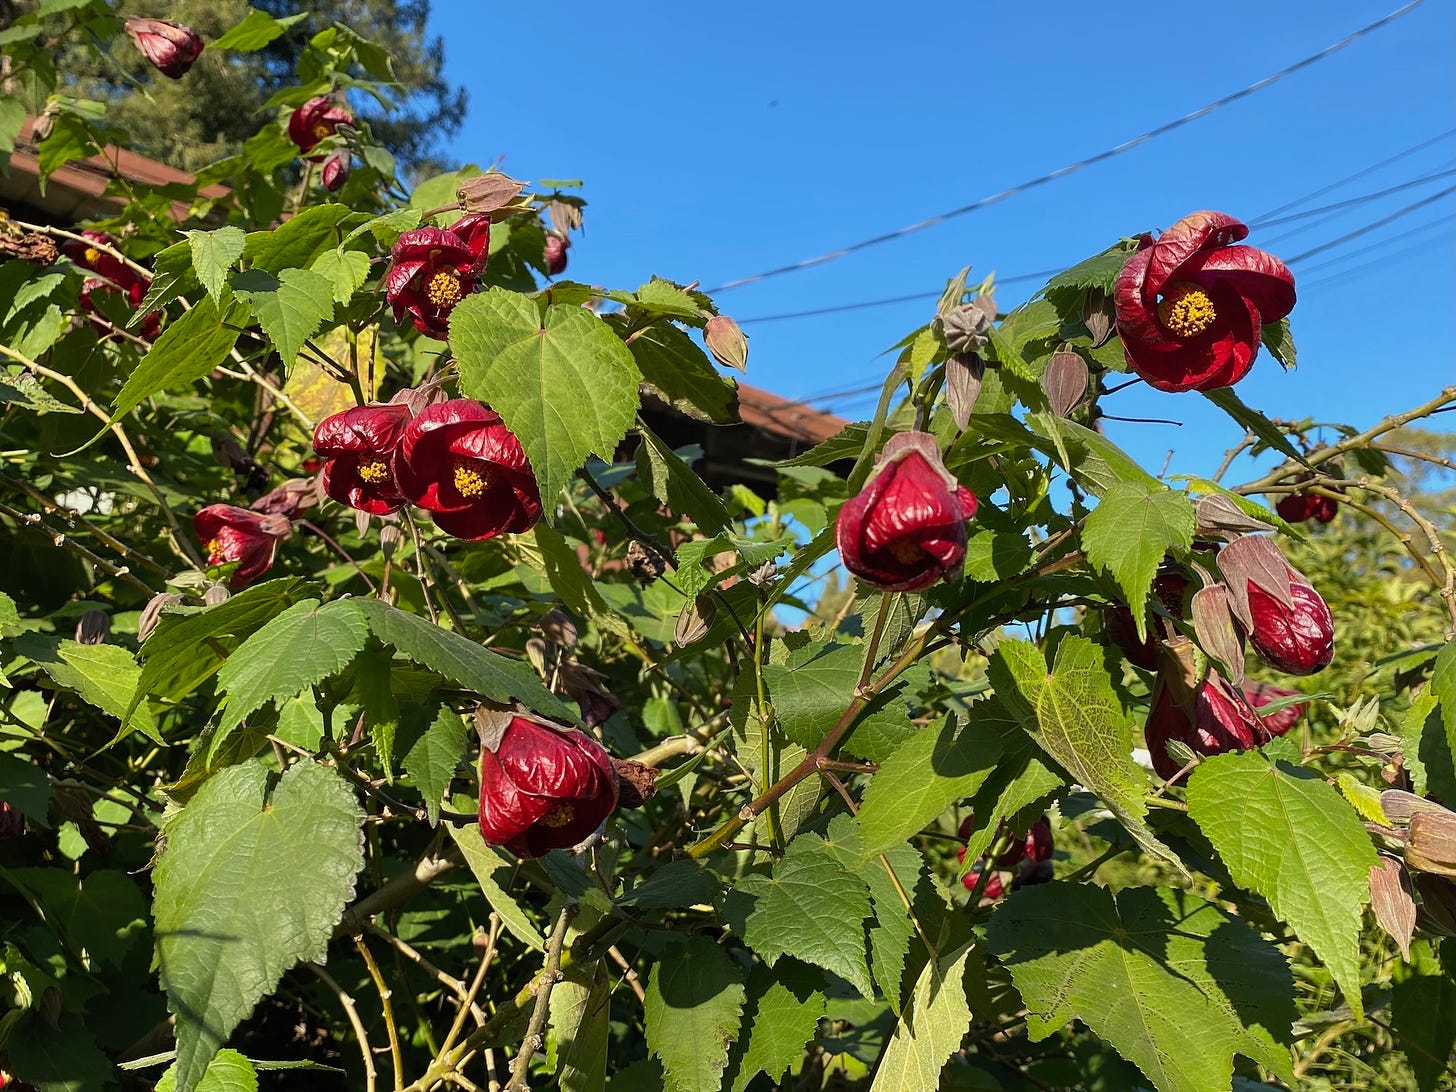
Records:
x=1099, y=315
x=963, y=372
x=93, y=628
x=558, y=626
x=1288, y=623
x=391, y=535
x=1065, y=382
x=1219, y=516
x=336, y=170
x=554, y=255
x=1213, y=625
x=726, y=342
x=964, y=329
x=695, y=621
x=216, y=594
x=152, y=613
x=1431, y=844
x=564, y=216
x=171, y=48
x=484, y=193
x=1219, y=722
x=583, y=685
x=12, y=823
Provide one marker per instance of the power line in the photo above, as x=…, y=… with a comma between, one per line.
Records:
x=1264, y=217
x=887, y=301
x=1365, y=267
x=1372, y=226
x=1379, y=244
x=1351, y=202
x=1106, y=154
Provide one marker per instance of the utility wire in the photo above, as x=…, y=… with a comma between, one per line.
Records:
x=1353, y=201
x=1380, y=244
x=1365, y=267
x=1263, y=218
x=1372, y=226
x=1106, y=154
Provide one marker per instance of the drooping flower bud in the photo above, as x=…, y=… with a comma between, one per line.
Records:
x=1282, y=719
x=1217, y=516
x=1099, y=316
x=726, y=342
x=1065, y=382
x=1298, y=507
x=233, y=534
x=152, y=613
x=542, y=787
x=1288, y=623
x=1219, y=722
x=485, y=193
x=336, y=170
x=93, y=628
x=1170, y=586
x=694, y=621
x=994, y=889
x=963, y=329
x=554, y=255
x=963, y=373
x=583, y=685
x=316, y=120
x=170, y=47
x=907, y=528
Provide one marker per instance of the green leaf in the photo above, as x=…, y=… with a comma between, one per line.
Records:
x=493, y=870
x=1073, y=714
x=847, y=443
x=1280, y=343
x=1021, y=779
x=1251, y=420
x=930, y=1030
x=290, y=307
x=1423, y=1009
x=300, y=647
x=811, y=908
x=228, y=1072
x=187, y=649
x=256, y=30
x=172, y=275
x=251, y=883
x=891, y=927
x=105, y=676
x=1174, y=984
x=784, y=1010
x=694, y=1001
x=1098, y=271
x=70, y=138
x=996, y=555
x=677, y=884
x=12, y=117
x=679, y=374
x=571, y=583
x=1091, y=458
x=25, y=787
x=1423, y=743
x=1287, y=834
x=188, y=349
x=1128, y=533
x=101, y=916
x=934, y=769
x=214, y=253
x=811, y=689
x=59, y=1059
x=432, y=760
x=346, y=270
x=579, y=1028
x=663, y=297
x=1443, y=685
x=300, y=239
x=461, y=660
x=673, y=482
x=562, y=381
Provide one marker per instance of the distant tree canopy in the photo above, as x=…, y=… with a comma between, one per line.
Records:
x=208, y=116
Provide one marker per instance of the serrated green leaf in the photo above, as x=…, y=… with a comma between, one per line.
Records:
x=1098, y=271
x=105, y=676
x=1074, y=715
x=1252, y=420
x=214, y=253
x=70, y=138
x=785, y=1007
x=229, y=1071
x=847, y=443
x=346, y=270
x=493, y=870
x=693, y=1006
x=300, y=647
x=811, y=908
x=1128, y=533
x=1021, y=778
x=677, y=884
x=432, y=760
x=1423, y=1010
x=242, y=896
x=812, y=688
x=679, y=374
x=12, y=113
x=1443, y=685
x=26, y=788
x=891, y=927
x=1280, y=343
x=257, y=29
x=579, y=1027
x=1423, y=742
x=101, y=916
x=1286, y=834
x=461, y=660
x=187, y=350
x=300, y=239
x=996, y=555
x=1363, y=798
x=930, y=1031
x=172, y=276
x=562, y=382
x=673, y=482
x=1092, y=459
x=290, y=307
x=571, y=583
x=663, y=297
x=934, y=769
x=1174, y=984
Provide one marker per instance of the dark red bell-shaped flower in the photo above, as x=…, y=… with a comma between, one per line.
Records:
x=1170, y=586
x=1190, y=305
x=336, y=170
x=542, y=787
x=1218, y=722
x=458, y=461
x=170, y=47
x=1288, y=623
x=1036, y=845
x=316, y=120
x=554, y=255
x=1298, y=507
x=434, y=269
x=994, y=888
x=359, y=446
x=112, y=275
x=1281, y=720
x=907, y=527
x=233, y=534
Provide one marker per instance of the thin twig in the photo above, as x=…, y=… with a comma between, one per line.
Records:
x=352, y=1012
x=449, y=981
x=628, y=972
x=61, y=539
x=468, y=1002
x=535, y=1030
x=387, y=1007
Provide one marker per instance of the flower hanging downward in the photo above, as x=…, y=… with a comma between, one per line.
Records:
x=1190, y=305
x=907, y=527
x=458, y=461
x=170, y=47
x=316, y=120
x=359, y=445
x=542, y=787
x=434, y=269
x=233, y=534
x=1219, y=722
x=1288, y=622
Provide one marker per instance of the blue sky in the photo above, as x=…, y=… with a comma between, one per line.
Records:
x=719, y=140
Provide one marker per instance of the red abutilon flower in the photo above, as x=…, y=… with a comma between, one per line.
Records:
x=994, y=888
x=1298, y=507
x=1281, y=720
x=433, y=269
x=1287, y=621
x=542, y=787
x=459, y=462
x=1219, y=722
x=359, y=446
x=229, y=534
x=336, y=170
x=1170, y=586
x=907, y=528
x=554, y=255
x=1190, y=305
x=112, y=275
x=170, y=47
x=316, y=120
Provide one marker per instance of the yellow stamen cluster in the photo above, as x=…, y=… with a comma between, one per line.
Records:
x=469, y=480
x=374, y=471
x=322, y=129
x=907, y=551
x=559, y=816
x=92, y=255
x=444, y=289
x=1186, y=310
x=214, y=552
